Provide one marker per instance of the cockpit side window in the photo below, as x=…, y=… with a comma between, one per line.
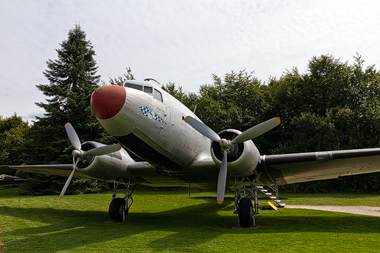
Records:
x=133, y=86
x=148, y=90
x=157, y=95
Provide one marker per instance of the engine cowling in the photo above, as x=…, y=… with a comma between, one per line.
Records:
x=242, y=158
x=110, y=166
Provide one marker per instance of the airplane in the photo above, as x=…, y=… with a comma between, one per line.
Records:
x=9, y=179
x=178, y=150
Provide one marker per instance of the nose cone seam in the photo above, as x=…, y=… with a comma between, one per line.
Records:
x=107, y=101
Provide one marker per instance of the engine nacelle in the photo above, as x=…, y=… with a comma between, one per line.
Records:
x=110, y=166
x=242, y=158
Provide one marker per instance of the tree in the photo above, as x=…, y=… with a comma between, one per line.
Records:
x=13, y=134
x=333, y=105
x=234, y=101
x=231, y=102
x=121, y=79
x=190, y=99
x=331, y=93
x=72, y=79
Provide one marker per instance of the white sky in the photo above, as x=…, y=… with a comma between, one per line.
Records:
x=179, y=41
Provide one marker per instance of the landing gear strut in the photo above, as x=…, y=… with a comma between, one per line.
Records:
x=119, y=207
x=243, y=205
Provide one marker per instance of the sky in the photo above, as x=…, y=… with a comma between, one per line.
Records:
x=184, y=42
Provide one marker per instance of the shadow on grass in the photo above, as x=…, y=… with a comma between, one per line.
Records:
x=62, y=229
x=75, y=228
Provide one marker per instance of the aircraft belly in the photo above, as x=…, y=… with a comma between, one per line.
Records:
x=204, y=177
x=147, y=150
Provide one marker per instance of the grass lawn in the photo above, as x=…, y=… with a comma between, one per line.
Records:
x=170, y=221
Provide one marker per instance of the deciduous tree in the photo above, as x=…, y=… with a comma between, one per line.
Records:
x=13, y=134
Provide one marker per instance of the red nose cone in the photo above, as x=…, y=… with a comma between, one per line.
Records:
x=107, y=101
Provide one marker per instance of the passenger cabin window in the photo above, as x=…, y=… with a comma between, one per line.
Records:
x=133, y=86
x=157, y=95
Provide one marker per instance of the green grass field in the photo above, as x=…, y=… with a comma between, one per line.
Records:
x=170, y=221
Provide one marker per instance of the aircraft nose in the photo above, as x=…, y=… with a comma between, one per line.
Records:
x=107, y=101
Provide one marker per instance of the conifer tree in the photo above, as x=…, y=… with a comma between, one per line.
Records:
x=71, y=80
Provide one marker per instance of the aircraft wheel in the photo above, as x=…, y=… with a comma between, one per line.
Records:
x=245, y=212
x=116, y=209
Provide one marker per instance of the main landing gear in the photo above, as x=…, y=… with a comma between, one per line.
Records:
x=243, y=205
x=119, y=207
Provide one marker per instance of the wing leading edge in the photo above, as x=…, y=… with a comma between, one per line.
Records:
x=304, y=167
x=65, y=169
x=50, y=169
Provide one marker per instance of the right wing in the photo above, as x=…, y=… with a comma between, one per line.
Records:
x=304, y=167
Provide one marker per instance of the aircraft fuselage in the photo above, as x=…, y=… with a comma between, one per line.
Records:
x=152, y=126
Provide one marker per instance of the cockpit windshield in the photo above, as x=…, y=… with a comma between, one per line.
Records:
x=145, y=87
x=133, y=86
x=148, y=89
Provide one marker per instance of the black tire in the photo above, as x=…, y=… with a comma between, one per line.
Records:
x=116, y=208
x=245, y=212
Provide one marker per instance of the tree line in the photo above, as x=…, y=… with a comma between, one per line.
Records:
x=332, y=105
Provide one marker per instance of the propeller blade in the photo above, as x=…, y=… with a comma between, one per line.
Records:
x=74, y=139
x=103, y=150
x=257, y=130
x=222, y=178
x=202, y=128
x=67, y=182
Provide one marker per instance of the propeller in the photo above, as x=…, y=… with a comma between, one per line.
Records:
x=249, y=134
x=79, y=153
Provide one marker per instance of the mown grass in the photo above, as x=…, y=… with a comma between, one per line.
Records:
x=169, y=221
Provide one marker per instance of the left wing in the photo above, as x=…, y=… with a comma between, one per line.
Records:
x=304, y=167
x=50, y=169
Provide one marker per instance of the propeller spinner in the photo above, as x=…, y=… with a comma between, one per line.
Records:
x=80, y=154
x=249, y=134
